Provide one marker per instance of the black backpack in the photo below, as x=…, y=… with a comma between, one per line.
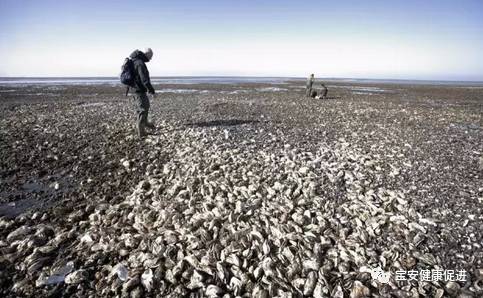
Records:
x=128, y=74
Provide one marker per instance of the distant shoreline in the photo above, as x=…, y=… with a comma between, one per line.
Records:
x=223, y=80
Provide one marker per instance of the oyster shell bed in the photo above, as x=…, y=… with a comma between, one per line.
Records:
x=252, y=194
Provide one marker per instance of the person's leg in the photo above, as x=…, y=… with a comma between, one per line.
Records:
x=146, y=105
x=147, y=123
x=142, y=102
x=309, y=92
x=325, y=92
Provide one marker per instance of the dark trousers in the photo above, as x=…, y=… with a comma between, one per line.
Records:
x=141, y=101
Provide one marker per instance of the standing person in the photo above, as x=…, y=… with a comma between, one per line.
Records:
x=308, y=86
x=142, y=85
x=324, y=91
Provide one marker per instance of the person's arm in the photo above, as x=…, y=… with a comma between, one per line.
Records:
x=144, y=76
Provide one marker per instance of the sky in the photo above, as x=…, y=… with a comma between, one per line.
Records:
x=410, y=39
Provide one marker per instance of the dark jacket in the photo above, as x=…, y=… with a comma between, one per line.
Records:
x=143, y=82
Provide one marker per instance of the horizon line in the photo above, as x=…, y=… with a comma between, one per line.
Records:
x=243, y=76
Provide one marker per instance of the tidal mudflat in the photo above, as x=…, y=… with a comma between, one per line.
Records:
x=244, y=189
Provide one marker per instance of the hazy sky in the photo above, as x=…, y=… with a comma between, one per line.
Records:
x=410, y=39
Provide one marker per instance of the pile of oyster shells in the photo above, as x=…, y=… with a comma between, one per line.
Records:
x=221, y=219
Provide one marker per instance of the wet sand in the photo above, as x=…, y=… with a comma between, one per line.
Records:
x=70, y=148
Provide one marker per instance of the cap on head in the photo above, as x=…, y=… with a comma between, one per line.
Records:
x=148, y=53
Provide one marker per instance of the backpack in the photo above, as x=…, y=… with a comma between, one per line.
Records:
x=128, y=74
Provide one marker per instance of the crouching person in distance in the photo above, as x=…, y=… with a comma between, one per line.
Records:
x=319, y=93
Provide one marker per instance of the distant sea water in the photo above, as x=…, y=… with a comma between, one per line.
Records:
x=11, y=81
x=154, y=80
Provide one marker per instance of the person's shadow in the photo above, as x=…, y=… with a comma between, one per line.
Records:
x=229, y=122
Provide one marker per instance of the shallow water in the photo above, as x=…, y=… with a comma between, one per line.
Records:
x=154, y=80
x=218, y=80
